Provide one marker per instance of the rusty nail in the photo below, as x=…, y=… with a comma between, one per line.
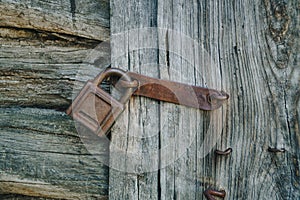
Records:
x=275, y=150
x=226, y=152
x=209, y=193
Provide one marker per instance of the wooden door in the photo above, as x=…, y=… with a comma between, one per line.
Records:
x=247, y=48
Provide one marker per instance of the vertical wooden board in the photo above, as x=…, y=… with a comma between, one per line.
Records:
x=252, y=46
x=233, y=35
x=176, y=129
x=134, y=142
x=257, y=107
x=193, y=127
x=281, y=65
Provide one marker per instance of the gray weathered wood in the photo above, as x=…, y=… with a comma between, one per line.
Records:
x=47, y=50
x=254, y=46
x=88, y=19
x=43, y=46
x=41, y=68
x=42, y=156
x=127, y=179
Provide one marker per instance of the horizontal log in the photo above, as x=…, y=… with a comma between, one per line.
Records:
x=40, y=69
x=39, y=189
x=41, y=155
x=88, y=19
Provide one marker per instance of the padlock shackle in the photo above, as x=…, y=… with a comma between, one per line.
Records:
x=111, y=72
x=115, y=72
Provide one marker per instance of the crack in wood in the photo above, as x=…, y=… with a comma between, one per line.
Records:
x=73, y=9
x=167, y=52
x=60, y=39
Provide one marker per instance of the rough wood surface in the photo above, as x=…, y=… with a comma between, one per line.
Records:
x=44, y=44
x=126, y=178
x=39, y=69
x=42, y=156
x=254, y=45
x=88, y=19
x=45, y=48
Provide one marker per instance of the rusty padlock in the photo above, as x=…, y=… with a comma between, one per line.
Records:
x=95, y=108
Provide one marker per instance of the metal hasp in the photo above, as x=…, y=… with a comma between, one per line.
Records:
x=98, y=110
x=179, y=93
x=95, y=108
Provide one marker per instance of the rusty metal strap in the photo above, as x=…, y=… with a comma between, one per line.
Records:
x=175, y=92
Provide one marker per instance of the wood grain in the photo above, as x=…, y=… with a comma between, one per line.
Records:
x=135, y=135
x=42, y=156
x=88, y=19
x=48, y=50
x=254, y=46
x=41, y=69
x=44, y=45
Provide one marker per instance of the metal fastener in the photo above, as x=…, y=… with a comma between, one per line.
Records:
x=209, y=193
x=226, y=152
x=275, y=150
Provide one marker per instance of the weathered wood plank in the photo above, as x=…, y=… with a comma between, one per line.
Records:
x=40, y=69
x=254, y=46
x=48, y=49
x=43, y=156
x=135, y=136
x=21, y=197
x=176, y=179
x=88, y=19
